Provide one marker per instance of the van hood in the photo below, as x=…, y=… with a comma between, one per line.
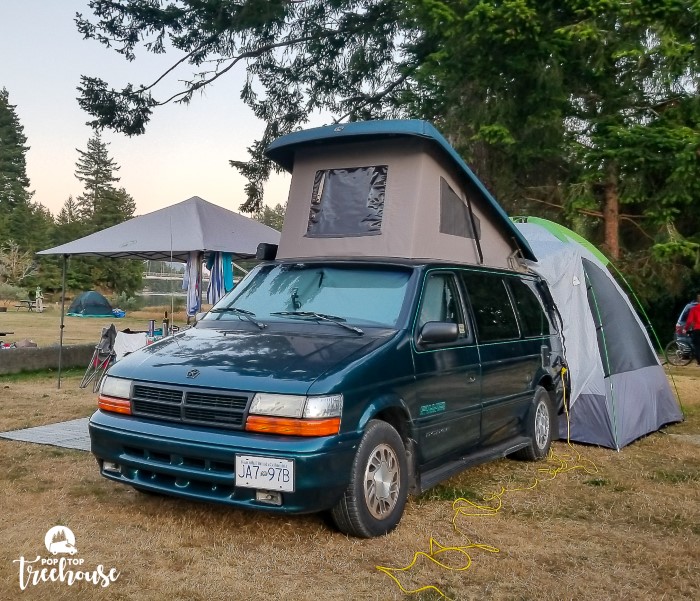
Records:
x=289, y=361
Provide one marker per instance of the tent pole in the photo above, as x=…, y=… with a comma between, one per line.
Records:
x=63, y=309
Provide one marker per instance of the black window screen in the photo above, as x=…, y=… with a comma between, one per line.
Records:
x=454, y=214
x=533, y=320
x=493, y=311
x=621, y=342
x=347, y=202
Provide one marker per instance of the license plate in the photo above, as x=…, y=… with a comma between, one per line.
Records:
x=269, y=473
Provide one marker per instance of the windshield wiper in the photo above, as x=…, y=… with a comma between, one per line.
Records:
x=321, y=317
x=249, y=315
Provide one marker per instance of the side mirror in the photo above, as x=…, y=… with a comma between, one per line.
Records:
x=266, y=251
x=198, y=316
x=436, y=332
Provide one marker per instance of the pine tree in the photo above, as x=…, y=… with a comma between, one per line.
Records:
x=101, y=205
x=272, y=217
x=96, y=170
x=25, y=226
x=14, y=183
x=114, y=206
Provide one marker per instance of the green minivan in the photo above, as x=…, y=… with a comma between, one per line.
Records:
x=340, y=383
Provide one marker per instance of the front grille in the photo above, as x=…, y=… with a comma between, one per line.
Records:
x=237, y=403
x=160, y=395
x=199, y=406
x=197, y=414
x=141, y=407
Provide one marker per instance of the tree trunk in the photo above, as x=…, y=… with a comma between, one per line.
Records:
x=611, y=213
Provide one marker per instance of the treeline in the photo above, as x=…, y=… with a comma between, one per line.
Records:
x=27, y=226
x=586, y=112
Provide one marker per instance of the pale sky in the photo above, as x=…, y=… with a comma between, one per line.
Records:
x=185, y=150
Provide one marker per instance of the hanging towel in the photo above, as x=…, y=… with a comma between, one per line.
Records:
x=192, y=283
x=227, y=260
x=215, y=290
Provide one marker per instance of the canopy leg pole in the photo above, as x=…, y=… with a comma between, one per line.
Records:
x=200, y=277
x=63, y=309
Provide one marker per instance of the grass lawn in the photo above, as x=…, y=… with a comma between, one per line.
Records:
x=44, y=328
x=628, y=530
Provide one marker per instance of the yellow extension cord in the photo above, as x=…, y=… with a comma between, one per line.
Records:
x=492, y=504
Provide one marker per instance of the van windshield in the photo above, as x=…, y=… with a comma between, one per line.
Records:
x=371, y=295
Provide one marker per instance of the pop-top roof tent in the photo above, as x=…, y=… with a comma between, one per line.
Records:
x=389, y=189
x=619, y=391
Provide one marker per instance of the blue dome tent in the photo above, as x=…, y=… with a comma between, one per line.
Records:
x=90, y=304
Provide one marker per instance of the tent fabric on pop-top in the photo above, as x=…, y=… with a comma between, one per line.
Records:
x=389, y=189
x=619, y=391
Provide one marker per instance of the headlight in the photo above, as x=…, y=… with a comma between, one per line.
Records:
x=115, y=387
x=278, y=405
x=295, y=415
x=288, y=405
x=324, y=406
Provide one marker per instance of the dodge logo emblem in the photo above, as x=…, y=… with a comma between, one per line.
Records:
x=193, y=373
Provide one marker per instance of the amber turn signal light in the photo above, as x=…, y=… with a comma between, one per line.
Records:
x=107, y=403
x=292, y=427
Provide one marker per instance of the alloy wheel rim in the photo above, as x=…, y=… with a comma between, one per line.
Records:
x=541, y=426
x=381, y=482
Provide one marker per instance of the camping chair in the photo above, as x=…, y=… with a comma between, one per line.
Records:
x=102, y=357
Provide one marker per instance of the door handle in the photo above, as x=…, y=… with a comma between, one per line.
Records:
x=471, y=378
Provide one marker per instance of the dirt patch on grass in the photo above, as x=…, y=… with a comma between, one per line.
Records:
x=628, y=530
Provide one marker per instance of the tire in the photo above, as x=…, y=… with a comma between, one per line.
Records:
x=676, y=355
x=541, y=424
x=374, y=501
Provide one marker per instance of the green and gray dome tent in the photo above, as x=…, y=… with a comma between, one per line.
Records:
x=90, y=304
x=619, y=391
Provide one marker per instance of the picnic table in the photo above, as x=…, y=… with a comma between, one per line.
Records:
x=27, y=304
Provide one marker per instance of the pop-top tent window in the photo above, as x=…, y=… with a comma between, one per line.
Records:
x=454, y=214
x=347, y=202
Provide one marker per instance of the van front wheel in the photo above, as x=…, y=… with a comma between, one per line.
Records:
x=541, y=424
x=374, y=501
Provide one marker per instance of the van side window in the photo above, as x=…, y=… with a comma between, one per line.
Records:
x=493, y=311
x=533, y=320
x=440, y=301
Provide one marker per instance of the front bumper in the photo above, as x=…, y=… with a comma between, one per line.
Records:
x=198, y=463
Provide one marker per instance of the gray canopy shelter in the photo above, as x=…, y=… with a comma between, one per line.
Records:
x=169, y=234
